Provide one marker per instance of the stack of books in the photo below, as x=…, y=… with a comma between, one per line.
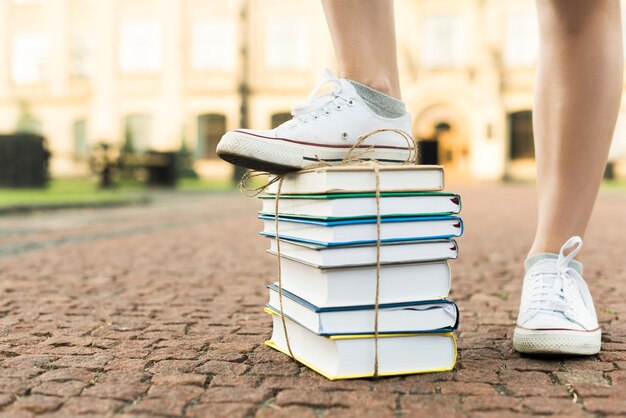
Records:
x=328, y=231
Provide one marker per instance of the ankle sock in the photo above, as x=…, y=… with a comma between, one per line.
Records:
x=534, y=259
x=380, y=103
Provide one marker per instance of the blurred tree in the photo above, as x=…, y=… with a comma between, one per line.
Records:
x=129, y=145
x=27, y=123
x=185, y=160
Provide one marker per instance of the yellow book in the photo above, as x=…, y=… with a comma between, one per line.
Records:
x=352, y=356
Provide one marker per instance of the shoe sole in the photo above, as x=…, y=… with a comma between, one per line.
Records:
x=557, y=341
x=280, y=156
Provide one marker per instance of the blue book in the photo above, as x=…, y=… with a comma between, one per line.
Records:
x=363, y=231
x=434, y=316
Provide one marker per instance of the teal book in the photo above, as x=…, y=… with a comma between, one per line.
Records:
x=363, y=231
x=333, y=206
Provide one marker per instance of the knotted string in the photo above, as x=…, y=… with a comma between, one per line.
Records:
x=352, y=157
x=377, y=271
x=280, y=276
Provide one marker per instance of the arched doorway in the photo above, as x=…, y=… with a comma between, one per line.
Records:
x=211, y=128
x=444, y=140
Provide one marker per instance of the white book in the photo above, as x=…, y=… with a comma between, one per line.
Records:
x=343, y=179
x=352, y=356
x=362, y=205
x=357, y=285
x=408, y=317
x=362, y=254
x=353, y=231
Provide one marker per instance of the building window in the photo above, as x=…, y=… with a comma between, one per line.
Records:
x=29, y=52
x=137, y=133
x=280, y=118
x=522, y=41
x=80, y=54
x=81, y=146
x=443, y=43
x=287, y=45
x=28, y=2
x=214, y=45
x=211, y=128
x=521, y=128
x=140, y=46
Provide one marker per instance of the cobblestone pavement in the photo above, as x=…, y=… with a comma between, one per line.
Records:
x=157, y=311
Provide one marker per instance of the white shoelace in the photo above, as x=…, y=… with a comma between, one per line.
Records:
x=314, y=106
x=554, y=292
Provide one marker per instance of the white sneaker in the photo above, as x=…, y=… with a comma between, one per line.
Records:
x=556, y=313
x=322, y=128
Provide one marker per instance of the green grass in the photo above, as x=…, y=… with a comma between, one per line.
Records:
x=614, y=185
x=67, y=191
x=208, y=185
x=85, y=191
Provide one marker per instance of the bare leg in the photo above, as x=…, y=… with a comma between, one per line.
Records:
x=363, y=34
x=579, y=87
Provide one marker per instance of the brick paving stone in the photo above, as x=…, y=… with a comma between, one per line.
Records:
x=173, y=324
x=361, y=412
x=610, y=356
x=183, y=366
x=273, y=369
x=404, y=385
x=17, y=414
x=117, y=390
x=224, y=355
x=592, y=377
x=587, y=390
x=308, y=398
x=583, y=364
x=431, y=406
x=465, y=388
x=37, y=404
x=499, y=414
x=491, y=403
x=89, y=405
x=216, y=367
x=530, y=389
x=379, y=400
x=21, y=373
x=543, y=405
x=63, y=389
x=528, y=363
x=235, y=381
x=514, y=376
x=286, y=412
x=65, y=374
x=230, y=394
x=618, y=377
x=166, y=400
x=221, y=410
x=615, y=405
x=89, y=362
x=476, y=375
x=179, y=379
x=15, y=386
x=126, y=364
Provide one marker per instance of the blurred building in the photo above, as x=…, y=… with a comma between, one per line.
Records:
x=159, y=72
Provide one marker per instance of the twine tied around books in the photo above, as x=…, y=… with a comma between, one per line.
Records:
x=353, y=157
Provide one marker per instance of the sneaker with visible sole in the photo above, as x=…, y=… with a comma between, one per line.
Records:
x=324, y=128
x=556, y=313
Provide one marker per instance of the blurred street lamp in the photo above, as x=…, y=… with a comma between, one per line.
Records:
x=244, y=86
